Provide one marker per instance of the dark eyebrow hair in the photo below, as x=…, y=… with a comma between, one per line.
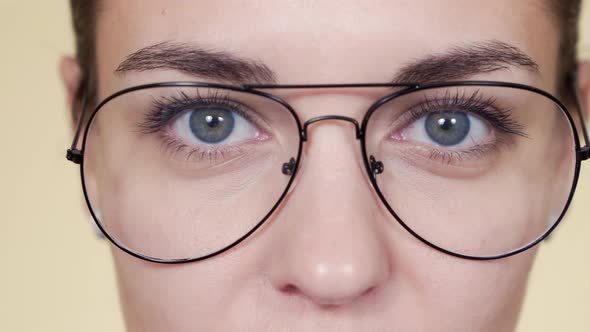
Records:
x=198, y=61
x=457, y=63
x=464, y=61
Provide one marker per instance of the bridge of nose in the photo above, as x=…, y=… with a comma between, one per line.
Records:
x=316, y=119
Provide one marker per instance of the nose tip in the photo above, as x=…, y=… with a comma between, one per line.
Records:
x=330, y=284
x=334, y=272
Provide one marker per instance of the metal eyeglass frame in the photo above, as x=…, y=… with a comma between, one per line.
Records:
x=372, y=166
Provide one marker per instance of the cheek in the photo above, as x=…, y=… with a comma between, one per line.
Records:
x=491, y=215
x=485, y=293
x=210, y=295
x=170, y=298
x=164, y=207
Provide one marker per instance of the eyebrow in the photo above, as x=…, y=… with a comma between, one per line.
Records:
x=197, y=61
x=466, y=60
x=456, y=63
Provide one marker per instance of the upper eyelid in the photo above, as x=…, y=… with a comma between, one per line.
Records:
x=500, y=118
x=456, y=99
x=176, y=105
x=415, y=110
x=463, y=104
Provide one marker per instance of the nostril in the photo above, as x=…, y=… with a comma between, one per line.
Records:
x=325, y=302
x=290, y=289
x=329, y=289
x=368, y=291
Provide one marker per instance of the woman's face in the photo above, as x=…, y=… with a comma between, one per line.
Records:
x=331, y=257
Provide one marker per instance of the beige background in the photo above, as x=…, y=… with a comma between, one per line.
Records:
x=54, y=273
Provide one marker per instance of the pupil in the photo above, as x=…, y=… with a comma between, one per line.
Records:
x=447, y=124
x=213, y=121
x=447, y=128
x=212, y=125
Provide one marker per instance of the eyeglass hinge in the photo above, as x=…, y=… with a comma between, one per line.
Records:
x=584, y=153
x=74, y=155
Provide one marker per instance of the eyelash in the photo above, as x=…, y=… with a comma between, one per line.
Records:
x=477, y=104
x=499, y=118
x=163, y=111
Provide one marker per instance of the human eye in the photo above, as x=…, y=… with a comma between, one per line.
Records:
x=207, y=125
x=457, y=128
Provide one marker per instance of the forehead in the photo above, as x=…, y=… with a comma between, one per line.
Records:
x=326, y=41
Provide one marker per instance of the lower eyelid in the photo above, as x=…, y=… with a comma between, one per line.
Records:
x=210, y=153
x=451, y=164
x=471, y=160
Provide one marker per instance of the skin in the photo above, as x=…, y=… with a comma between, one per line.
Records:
x=339, y=264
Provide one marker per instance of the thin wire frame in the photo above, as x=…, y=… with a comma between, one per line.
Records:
x=582, y=153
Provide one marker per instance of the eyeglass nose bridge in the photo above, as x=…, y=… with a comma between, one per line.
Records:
x=357, y=127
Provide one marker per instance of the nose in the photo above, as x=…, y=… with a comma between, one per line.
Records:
x=330, y=248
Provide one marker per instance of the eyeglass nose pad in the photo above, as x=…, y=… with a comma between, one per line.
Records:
x=291, y=164
x=376, y=167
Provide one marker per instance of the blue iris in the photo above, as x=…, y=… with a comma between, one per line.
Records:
x=447, y=128
x=212, y=125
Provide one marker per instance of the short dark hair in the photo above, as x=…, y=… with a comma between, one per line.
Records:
x=566, y=12
x=84, y=25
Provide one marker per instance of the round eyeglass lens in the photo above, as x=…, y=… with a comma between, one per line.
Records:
x=175, y=173
x=480, y=171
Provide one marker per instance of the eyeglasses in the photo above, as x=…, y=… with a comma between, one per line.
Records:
x=182, y=171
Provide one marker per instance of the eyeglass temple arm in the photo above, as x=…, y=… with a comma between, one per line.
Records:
x=73, y=154
x=584, y=151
